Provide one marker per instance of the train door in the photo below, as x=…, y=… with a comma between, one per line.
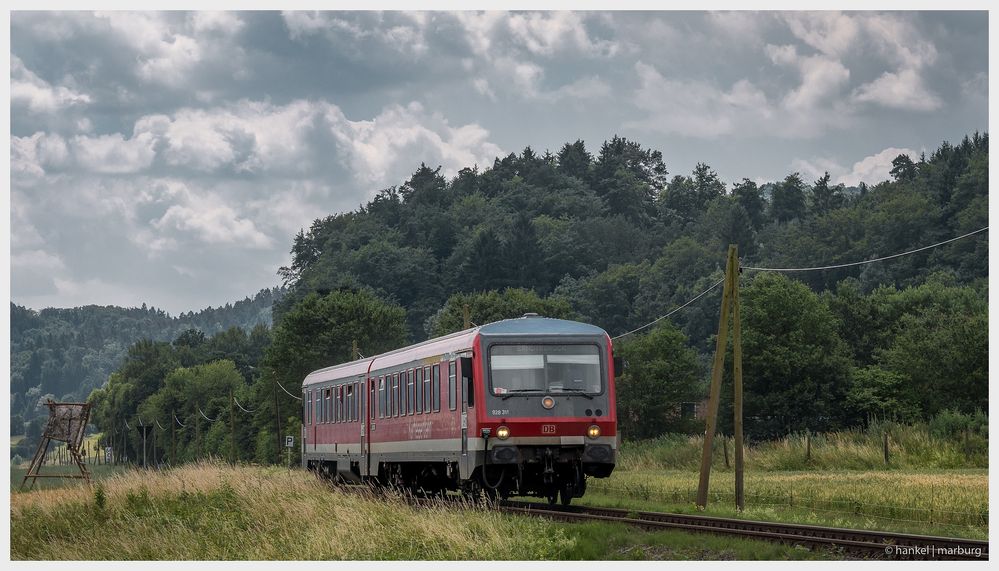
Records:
x=367, y=417
x=466, y=388
x=362, y=417
x=463, y=408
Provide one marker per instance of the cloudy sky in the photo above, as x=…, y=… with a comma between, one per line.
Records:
x=169, y=158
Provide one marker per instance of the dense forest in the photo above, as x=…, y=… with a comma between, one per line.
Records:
x=612, y=239
x=64, y=354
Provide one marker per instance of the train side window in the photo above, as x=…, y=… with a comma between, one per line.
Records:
x=426, y=389
x=339, y=404
x=357, y=401
x=395, y=394
x=388, y=396
x=419, y=391
x=435, y=388
x=328, y=412
x=351, y=396
x=381, y=397
x=467, y=386
x=372, y=400
x=452, y=386
x=410, y=394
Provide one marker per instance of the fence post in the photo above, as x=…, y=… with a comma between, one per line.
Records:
x=725, y=447
x=808, y=445
x=885, y=437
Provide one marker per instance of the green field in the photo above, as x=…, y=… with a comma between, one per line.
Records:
x=212, y=511
x=929, y=486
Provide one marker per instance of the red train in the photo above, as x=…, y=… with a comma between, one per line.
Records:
x=517, y=407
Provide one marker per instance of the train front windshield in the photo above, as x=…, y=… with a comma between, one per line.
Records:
x=542, y=369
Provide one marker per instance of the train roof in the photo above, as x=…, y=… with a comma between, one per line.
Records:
x=453, y=343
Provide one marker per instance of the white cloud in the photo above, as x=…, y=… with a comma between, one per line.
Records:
x=113, y=153
x=29, y=156
x=227, y=23
x=544, y=33
x=163, y=54
x=813, y=169
x=385, y=148
x=591, y=87
x=832, y=33
x=822, y=78
x=212, y=222
x=696, y=108
x=38, y=95
x=902, y=90
x=874, y=168
x=250, y=136
x=404, y=35
x=898, y=40
x=481, y=85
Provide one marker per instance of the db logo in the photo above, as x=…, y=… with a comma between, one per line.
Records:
x=547, y=429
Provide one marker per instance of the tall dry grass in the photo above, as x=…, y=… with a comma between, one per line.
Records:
x=218, y=512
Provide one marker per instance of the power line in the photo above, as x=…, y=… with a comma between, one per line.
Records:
x=286, y=390
x=865, y=261
x=158, y=424
x=178, y=421
x=206, y=416
x=830, y=267
x=690, y=301
x=241, y=406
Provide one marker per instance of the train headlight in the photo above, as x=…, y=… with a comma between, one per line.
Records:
x=593, y=431
x=502, y=433
x=548, y=403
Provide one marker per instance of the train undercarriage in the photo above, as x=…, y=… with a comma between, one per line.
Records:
x=550, y=472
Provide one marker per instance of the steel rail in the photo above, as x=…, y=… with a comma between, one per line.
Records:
x=884, y=544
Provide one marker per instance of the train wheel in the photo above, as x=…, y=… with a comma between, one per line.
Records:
x=566, y=495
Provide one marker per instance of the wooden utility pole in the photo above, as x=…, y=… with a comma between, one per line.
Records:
x=232, y=430
x=740, y=502
x=465, y=312
x=173, y=438
x=277, y=421
x=197, y=434
x=730, y=296
x=355, y=354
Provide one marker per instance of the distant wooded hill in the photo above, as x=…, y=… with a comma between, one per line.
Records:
x=624, y=242
x=66, y=353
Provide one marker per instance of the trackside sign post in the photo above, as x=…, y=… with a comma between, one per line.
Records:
x=289, y=443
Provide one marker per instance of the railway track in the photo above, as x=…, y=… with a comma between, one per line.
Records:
x=864, y=543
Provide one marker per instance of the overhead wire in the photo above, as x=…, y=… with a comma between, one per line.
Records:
x=881, y=259
x=286, y=390
x=178, y=421
x=241, y=406
x=815, y=268
x=206, y=416
x=688, y=302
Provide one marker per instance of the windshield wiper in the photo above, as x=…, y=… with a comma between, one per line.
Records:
x=520, y=392
x=579, y=391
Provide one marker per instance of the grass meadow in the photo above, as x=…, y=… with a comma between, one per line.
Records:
x=212, y=511
x=930, y=484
